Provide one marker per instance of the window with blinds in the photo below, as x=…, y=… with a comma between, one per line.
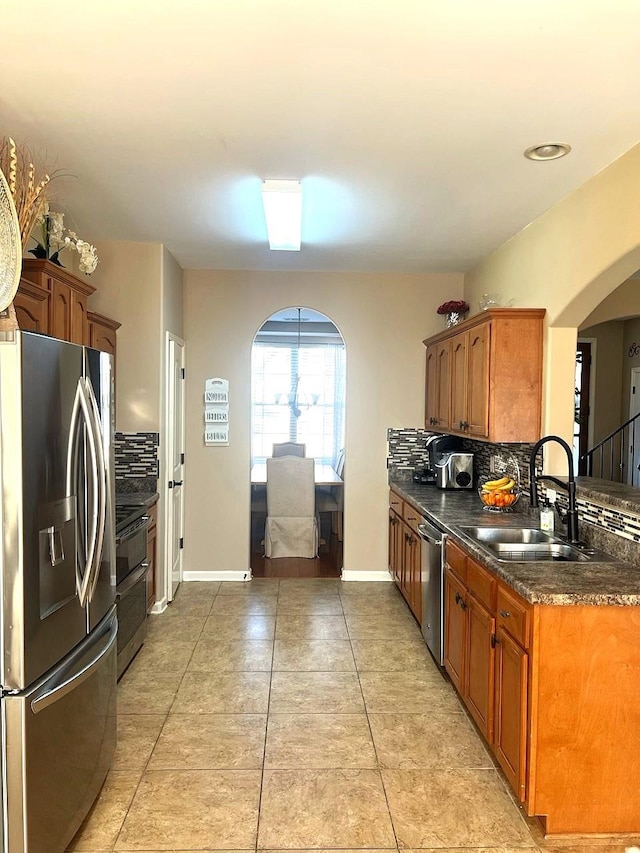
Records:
x=297, y=394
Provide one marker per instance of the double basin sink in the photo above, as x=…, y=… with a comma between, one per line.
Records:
x=524, y=544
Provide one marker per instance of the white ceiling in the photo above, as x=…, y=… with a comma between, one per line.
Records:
x=405, y=121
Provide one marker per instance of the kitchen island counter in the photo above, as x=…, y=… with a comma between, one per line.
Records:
x=544, y=582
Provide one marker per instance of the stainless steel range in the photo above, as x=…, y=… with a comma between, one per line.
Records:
x=132, y=568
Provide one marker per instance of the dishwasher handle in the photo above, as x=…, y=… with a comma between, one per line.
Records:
x=430, y=534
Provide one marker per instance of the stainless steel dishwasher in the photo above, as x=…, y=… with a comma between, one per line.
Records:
x=432, y=578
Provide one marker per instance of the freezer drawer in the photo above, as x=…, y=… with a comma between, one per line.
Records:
x=60, y=737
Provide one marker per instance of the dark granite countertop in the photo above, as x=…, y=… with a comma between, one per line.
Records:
x=557, y=583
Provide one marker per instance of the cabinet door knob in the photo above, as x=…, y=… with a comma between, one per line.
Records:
x=505, y=614
x=457, y=598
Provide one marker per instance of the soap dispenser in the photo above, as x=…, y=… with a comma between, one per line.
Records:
x=547, y=517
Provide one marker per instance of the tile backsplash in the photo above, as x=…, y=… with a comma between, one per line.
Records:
x=136, y=455
x=407, y=451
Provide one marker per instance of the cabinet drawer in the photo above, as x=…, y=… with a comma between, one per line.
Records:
x=457, y=560
x=412, y=517
x=513, y=615
x=395, y=502
x=481, y=583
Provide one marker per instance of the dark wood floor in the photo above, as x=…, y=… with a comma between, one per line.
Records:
x=327, y=565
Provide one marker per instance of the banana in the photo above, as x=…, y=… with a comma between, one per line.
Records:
x=506, y=487
x=495, y=484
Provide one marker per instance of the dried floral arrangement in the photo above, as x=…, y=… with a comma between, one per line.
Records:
x=454, y=306
x=27, y=184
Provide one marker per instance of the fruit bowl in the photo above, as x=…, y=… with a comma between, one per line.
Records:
x=499, y=499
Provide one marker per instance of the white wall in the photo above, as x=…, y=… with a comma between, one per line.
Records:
x=383, y=319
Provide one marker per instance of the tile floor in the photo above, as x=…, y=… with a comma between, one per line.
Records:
x=297, y=714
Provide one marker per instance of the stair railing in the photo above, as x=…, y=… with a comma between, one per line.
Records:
x=608, y=458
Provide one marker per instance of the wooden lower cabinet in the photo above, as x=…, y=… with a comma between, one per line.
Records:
x=152, y=534
x=555, y=691
x=511, y=683
x=455, y=630
x=405, y=553
x=479, y=694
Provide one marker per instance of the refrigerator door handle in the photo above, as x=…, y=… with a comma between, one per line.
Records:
x=76, y=678
x=72, y=476
x=83, y=593
x=94, y=570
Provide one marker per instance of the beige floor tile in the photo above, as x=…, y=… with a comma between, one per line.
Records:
x=309, y=585
x=164, y=655
x=102, y=825
x=368, y=589
x=259, y=603
x=313, y=656
x=210, y=742
x=197, y=589
x=383, y=627
x=329, y=605
x=452, y=808
x=424, y=741
x=146, y=692
x=223, y=693
x=313, y=626
x=241, y=655
x=251, y=626
x=315, y=693
x=137, y=735
x=193, y=809
x=264, y=586
x=175, y=625
x=408, y=693
x=383, y=656
x=323, y=808
x=329, y=741
x=193, y=605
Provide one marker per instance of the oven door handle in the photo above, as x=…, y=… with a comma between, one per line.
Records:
x=131, y=580
x=139, y=524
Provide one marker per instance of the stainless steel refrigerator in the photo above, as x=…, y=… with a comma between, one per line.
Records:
x=57, y=574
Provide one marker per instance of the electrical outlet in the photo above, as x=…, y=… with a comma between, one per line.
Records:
x=551, y=495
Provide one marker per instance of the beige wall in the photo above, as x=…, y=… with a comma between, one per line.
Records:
x=568, y=261
x=128, y=278
x=607, y=379
x=383, y=319
x=623, y=302
x=172, y=308
x=631, y=336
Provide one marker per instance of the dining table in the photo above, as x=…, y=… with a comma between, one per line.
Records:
x=324, y=475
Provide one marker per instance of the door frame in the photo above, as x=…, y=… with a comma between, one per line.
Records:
x=168, y=443
x=630, y=477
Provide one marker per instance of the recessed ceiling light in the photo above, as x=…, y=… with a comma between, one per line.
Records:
x=548, y=151
x=283, y=212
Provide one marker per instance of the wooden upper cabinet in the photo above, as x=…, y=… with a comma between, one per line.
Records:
x=68, y=296
x=438, y=392
x=102, y=332
x=459, y=382
x=477, y=416
x=31, y=304
x=493, y=376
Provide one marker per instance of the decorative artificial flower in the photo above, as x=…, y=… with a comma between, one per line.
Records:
x=454, y=306
x=56, y=238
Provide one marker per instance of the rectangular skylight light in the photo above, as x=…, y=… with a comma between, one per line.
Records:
x=283, y=211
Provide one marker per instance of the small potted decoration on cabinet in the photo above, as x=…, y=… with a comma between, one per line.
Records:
x=454, y=309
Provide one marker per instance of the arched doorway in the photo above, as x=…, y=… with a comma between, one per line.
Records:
x=298, y=374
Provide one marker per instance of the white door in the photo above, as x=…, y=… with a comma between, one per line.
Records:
x=633, y=470
x=175, y=463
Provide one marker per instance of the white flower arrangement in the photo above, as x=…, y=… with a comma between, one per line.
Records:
x=56, y=238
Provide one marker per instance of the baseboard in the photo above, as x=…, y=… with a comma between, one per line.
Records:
x=217, y=576
x=354, y=575
x=159, y=606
